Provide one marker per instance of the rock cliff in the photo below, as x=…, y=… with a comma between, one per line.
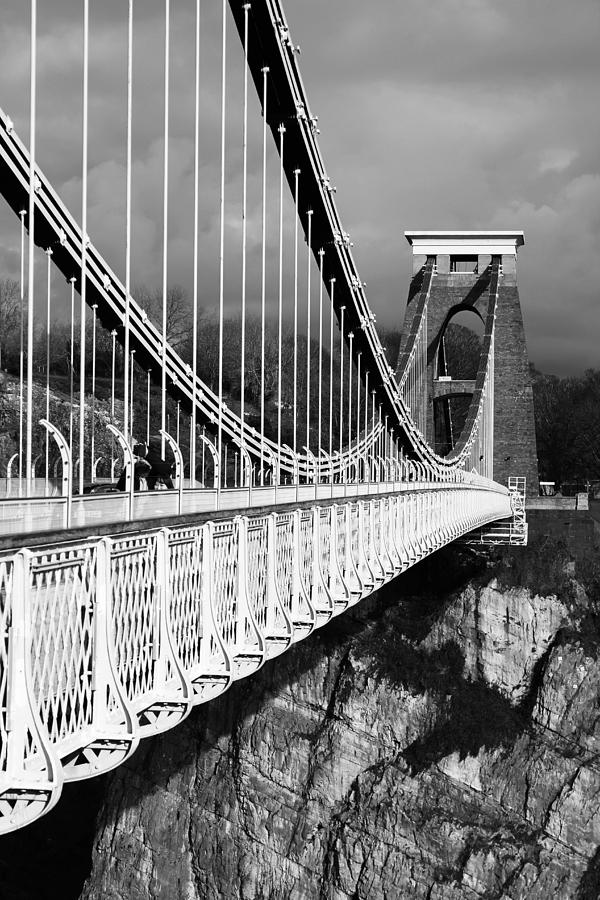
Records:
x=440, y=741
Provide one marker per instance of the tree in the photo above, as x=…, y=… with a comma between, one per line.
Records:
x=254, y=357
x=461, y=352
x=10, y=324
x=179, y=311
x=567, y=419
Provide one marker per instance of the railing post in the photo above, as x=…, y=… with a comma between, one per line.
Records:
x=396, y=530
x=209, y=611
x=374, y=546
x=299, y=589
x=369, y=580
x=67, y=468
x=316, y=552
x=129, y=463
x=247, y=623
x=351, y=564
x=387, y=534
x=241, y=525
x=413, y=527
x=296, y=566
x=109, y=694
x=320, y=579
x=275, y=605
x=215, y=458
x=168, y=660
x=337, y=575
x=25, y=731
x=421, y=524
x=271, y=579
x=17, y=689
x=178, y=468
x=274, y=469
x=431, y=536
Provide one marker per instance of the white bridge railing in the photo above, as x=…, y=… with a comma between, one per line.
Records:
x=52, y=506
x=106, y=640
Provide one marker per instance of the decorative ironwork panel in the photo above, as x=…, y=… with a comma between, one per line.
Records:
x=5, y=623
x=134, y=612
x=186, y=575
x=324, y=551
x=355, y=532
x=257, y=569
x=62, y=653
x=225, y=577
x=306, y=548
x=325, y=543
x=284, y=557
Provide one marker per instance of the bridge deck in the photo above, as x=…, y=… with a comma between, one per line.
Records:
x=20, y=516
x=196, y=513
x=107, y=638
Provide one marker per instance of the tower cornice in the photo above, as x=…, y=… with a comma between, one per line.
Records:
x=501, y=243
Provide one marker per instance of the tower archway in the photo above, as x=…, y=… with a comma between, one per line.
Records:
x=458, y=357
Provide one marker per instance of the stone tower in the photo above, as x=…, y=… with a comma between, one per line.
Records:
x=463, y=263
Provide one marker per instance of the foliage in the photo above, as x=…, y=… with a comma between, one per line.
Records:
x=178, y=311
x=462, y=351
x=567, y=410
x=567, y=419
x=10, y=323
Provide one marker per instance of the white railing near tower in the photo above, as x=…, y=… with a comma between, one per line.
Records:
x=106, y=640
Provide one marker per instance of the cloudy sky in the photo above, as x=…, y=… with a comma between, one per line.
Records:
x=468, y=114
x=433, y=114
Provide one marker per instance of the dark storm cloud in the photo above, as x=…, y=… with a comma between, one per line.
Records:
x=467, y=114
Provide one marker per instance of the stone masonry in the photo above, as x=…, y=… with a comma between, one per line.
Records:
x=515, y=451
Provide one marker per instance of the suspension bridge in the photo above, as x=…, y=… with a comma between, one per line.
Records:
x=309, y=469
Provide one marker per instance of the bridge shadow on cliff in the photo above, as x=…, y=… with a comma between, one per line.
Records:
x=471, y=714
x=392, y=633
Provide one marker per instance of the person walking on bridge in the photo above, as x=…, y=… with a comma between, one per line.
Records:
x=141, y=467
x=161, y=468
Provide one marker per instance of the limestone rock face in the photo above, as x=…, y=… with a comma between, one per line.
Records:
x=503, y=633
x=427, y=745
